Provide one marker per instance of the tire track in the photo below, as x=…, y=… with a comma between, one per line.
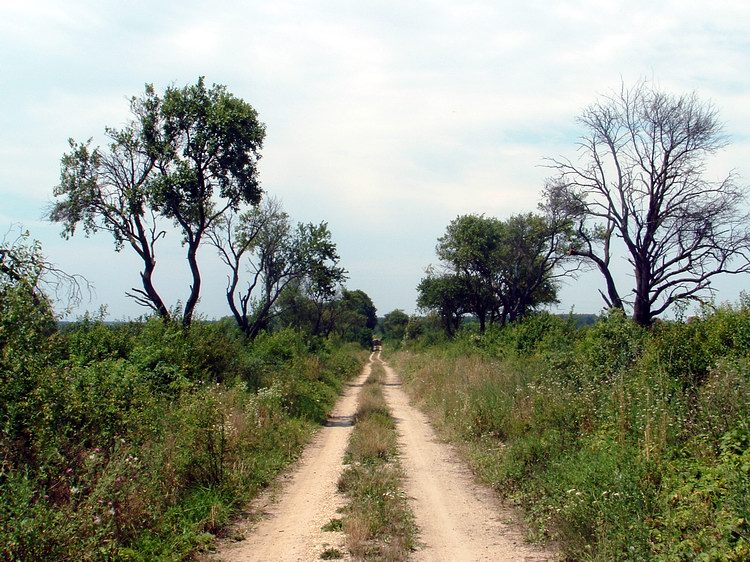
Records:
x=291, y=519
x=459, y=520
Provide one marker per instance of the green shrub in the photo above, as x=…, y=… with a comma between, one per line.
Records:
x=137, y=441
x=622, y=443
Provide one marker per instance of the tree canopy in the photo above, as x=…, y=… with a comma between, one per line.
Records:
x=394, y=324
x=497, y=270
x=277, y=255
x=188, y=156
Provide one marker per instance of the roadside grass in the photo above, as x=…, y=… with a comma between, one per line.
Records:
x=140, y=441
x=620, y=443
x=378, y=522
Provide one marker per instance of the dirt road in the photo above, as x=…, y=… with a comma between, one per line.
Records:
x=292, y=517
x=458, y=519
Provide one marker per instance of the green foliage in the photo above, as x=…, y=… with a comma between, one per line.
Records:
x=137, y=441
x=188, y=156
x=394, y=325
x=499, y=271
x=446, y=296
x=611, y=347
x=621, y=443
x=705, y=505
x=277, y=255
x=424, y=330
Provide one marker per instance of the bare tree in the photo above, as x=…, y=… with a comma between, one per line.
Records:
x=641, y=179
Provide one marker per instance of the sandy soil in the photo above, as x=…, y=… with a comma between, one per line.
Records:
x=291, y=516
x=458, y=519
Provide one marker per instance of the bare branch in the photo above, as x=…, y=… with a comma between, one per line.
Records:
x=642, y=180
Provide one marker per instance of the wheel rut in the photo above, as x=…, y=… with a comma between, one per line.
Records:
x=458, y=519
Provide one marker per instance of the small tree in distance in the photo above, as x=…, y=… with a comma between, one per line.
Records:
x=498, y=270
x=277, y=255
x=394, y=324
x=640, y=182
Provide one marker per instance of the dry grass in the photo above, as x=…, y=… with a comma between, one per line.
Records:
x=378, y=522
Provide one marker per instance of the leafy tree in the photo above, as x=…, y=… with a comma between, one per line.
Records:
x=498, y=270
x=446, y=296
x=277, y=255
x=468, y=250
x=531, y=259
x=355, y=316
x=641, y=180
x=394, y=324
x=362, y=304
x=309, y=305
x=189, y=156
x=110, y=190
x=209, y=143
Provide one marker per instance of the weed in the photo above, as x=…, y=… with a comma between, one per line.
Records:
x=140, y=441
x=377, y=522
x=621, y=443
x=331, y=554
x=334, y=525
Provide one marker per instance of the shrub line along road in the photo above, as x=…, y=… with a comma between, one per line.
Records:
x=458, y=519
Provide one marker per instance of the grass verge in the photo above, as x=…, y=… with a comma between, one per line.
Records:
x=620, y=443
x=378, y=522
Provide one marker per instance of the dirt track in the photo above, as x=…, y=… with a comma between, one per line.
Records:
x=458, y=519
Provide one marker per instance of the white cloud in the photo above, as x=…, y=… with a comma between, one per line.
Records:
x=382, y=116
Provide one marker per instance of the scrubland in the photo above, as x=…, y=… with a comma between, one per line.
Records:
x=619, y=442
x=138, y=441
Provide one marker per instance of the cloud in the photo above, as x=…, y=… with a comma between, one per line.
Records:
x=385, y=118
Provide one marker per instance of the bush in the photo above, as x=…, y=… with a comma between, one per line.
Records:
x=137, y=441
x=621, y=442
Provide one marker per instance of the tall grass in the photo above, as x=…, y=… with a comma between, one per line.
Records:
x=139, y=441
x=621, y=443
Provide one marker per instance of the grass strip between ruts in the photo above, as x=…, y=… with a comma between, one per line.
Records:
x=378, y=522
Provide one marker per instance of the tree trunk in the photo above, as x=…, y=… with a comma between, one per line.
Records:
x=148, y=286
x=195, y=288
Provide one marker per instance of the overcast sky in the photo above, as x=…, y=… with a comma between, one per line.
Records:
x=386, y=119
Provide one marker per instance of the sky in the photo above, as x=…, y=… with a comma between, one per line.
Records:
x=386, y=119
